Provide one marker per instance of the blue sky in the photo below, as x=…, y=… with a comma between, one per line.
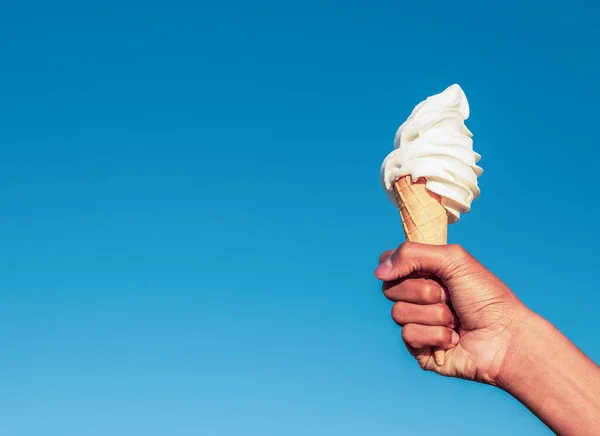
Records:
x=191, y=208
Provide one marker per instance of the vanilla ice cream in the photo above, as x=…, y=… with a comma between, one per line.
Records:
x=434, y=143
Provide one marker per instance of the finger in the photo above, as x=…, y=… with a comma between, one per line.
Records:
x=416, y=337
x=412, y=258
x=432, y=314
x=415, y=290
x=385, y=255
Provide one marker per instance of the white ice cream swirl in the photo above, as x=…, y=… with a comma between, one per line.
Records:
x=434, y=143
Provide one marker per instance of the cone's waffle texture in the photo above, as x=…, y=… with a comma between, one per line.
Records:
x=423, y=217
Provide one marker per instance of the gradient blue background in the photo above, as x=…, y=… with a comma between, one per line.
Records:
x=191, y=211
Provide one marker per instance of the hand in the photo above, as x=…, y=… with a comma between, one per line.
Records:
x=447, y=299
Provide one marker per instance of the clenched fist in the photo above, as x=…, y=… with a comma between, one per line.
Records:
x=446, y=299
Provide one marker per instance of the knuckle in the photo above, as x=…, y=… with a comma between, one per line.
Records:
x=458, y=254
x=430, y=292
x=403, y=249
x=443, y=314
x=441, y=336
x=408, y=334
x=457, y=251
x=399, y=312
x=438, y=336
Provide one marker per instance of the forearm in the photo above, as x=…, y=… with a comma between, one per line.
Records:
x=553, y=378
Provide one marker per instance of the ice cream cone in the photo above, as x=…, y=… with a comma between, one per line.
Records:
x=424, y=219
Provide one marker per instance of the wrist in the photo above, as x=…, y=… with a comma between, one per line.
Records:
x=524, y=331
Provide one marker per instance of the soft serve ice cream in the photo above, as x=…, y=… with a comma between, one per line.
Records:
x=434, y=144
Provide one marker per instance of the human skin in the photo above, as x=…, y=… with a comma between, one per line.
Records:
x=445, y=298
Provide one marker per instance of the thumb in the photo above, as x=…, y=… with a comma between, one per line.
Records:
x=412, y=258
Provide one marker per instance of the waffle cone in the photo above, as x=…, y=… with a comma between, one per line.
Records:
x=424, y=218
